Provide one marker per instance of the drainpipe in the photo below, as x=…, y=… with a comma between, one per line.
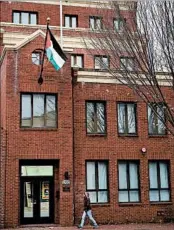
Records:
x=61, y=28
x=2, y=149
x=74, y=80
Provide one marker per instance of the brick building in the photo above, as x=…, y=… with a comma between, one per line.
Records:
x=67, y=135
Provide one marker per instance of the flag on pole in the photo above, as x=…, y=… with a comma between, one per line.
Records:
x=53, y=51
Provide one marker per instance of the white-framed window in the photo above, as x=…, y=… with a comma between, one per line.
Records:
x=127, y=124
x=95, y=22
x=22, y=17
x=71, y=21
x=128, y=182
x=38, y=110
x=119, y=24
x=77, y=60
x=36, y=57
x=101, y=62
x=159, y=186
x=156, y=119
x=127, y=63
x=97, y=181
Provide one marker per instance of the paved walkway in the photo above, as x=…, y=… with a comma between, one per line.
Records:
x=106, y=227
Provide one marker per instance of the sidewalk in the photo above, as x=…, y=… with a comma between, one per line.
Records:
x=104, y=227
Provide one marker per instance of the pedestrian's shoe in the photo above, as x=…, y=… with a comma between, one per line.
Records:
x=79, y=227
x=95, y=226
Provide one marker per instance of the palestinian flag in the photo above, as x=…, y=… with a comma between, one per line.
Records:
x=54, y=52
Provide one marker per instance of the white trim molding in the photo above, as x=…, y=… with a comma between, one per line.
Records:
x=76, y=3
x=104, y=77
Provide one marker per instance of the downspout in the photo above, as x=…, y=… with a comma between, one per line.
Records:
x=2, y=163
x=74, y=80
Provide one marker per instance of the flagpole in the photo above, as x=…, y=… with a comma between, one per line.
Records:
x=40, y=80
x=61, y=29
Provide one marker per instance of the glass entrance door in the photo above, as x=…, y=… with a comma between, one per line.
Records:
x=37, y=200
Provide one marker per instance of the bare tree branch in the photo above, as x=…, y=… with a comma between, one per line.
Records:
x=140, y=49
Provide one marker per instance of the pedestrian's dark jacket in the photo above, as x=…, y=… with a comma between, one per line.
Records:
x=87, y=205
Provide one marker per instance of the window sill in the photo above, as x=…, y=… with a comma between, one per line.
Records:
x=100, y=70
x=130, y=204
x=161, y=203
x=127, y=135
x=96, y=135
x=39, y=129
x=157, y=136
x=100, y=205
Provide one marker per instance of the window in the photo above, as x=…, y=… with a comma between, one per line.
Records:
x=127, y=63
x=38, y=110
x=159, y=181
x=77, y=60
x=95, y=114
x=156, y=119
x=36, y=58
x=119, y=24
x=101, y=62
x=129, y=188
x=127, y=118
x=95, y=23
x=37, y=170
x=71, y=21
x=25, y=17
x=97, y=181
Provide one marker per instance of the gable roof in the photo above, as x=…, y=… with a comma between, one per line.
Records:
x=22, y=43
x=28, y=39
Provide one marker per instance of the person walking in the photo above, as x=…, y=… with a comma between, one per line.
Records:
x=87, y=212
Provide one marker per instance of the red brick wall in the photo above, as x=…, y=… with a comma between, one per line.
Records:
x=18, y=144
x=52, y=11
x=2, y=138
x=114, y=148
x=44, y=10
x=33, y=143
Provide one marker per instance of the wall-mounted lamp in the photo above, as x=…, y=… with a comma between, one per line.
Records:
x=66, y=175
x=75, y=67
x=143, y=150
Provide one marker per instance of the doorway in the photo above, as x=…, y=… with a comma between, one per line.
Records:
x=37, y=195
